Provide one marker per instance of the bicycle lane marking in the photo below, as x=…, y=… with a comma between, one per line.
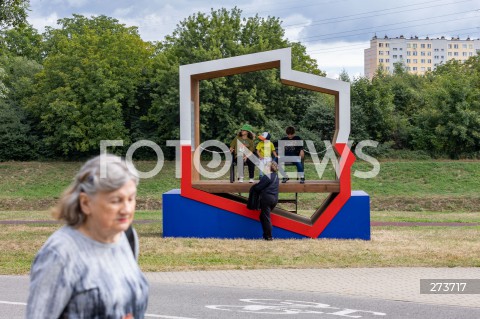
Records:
x=293, y=307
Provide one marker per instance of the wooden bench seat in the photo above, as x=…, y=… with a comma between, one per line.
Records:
x=292, y=186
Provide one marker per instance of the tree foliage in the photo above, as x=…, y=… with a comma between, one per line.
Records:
x=13, y=12
x=24, y=41
x=246, y=98
x=17, y=141
x=450, y=119
x=90, y=79
x=88, y=85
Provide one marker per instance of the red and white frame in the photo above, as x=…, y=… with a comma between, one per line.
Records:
x=190, y=77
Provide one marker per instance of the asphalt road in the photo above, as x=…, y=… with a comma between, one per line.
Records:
x=198, y=301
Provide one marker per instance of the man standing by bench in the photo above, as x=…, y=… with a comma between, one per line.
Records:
x=292, y=146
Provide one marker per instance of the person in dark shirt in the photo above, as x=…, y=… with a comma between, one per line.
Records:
x=267, y=188
x=293, y=146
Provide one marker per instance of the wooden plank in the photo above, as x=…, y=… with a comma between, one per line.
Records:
x=224, y=186
x=195, y=87
x=238, y=70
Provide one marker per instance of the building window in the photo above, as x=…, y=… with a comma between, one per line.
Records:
x=387, y=45
x=394, y=56
x=422, y=68
x=415, y=61
x=449, y=53
x=455, y=46
x=415, y=53
x=436, y=50
x=464, y=45
x=408, y=45
x=422, y=61
x=401, y=56
x=409, y=53
x=388, y=68
x=387, y=60
x=414, y=45
x=429, y=53
x=449, y=46
x=429, y=61
x=387, y=52
x=436, y=57
x=409, y=68
x=380, y=52
x=429, y=69
x=394, y=49
x=408, y=60
x=442, y=50
x=422, y=45
x=470, y=53
x=470, y=46
x=380, y=45
x=443, y=57
x=401, y=49
x=464, y=53
x=380, y=60
x=414, y=68
x=422, y=53
x=429, y=45
x=455, y=53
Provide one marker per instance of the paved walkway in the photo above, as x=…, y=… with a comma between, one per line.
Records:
x=383, y=283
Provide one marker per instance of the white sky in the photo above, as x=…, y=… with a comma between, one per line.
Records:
x=335, y=32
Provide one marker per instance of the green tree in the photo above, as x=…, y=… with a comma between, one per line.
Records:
x=450, y=121
x=87, y=90
x=3, y=88
x=251, y=98
x=375, y=99
x=17, y=140
x=343, y=76
x=22, y=41
x=13, y=12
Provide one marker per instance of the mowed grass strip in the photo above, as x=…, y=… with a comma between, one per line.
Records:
x=389, y=247
x=47, y=180
x=400, y=185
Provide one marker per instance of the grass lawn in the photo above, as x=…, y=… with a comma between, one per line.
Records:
x=400, y=185
x=432, y=246
x=405, y=191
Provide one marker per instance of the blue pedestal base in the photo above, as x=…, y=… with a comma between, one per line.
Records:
x=183, y=217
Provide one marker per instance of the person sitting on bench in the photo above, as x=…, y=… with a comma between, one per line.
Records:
x=244, y=140
x=293, y=146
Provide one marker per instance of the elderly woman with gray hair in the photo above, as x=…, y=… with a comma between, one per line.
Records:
x=86, y=269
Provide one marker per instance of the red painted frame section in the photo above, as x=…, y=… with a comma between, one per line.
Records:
x=346, y=161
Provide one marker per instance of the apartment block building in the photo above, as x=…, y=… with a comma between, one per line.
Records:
x=418, y=55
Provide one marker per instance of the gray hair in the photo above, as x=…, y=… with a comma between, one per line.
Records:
x=91, y=179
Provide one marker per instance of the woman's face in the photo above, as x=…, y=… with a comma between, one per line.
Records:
x=244, y=133
x=109, y=213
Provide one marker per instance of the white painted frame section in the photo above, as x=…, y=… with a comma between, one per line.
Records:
x=281, y=58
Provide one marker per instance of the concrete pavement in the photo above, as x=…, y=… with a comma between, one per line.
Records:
x=401, y=284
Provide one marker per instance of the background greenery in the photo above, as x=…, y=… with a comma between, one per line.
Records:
x=89, y=79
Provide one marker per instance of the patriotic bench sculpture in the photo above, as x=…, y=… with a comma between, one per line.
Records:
x=209, y=209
